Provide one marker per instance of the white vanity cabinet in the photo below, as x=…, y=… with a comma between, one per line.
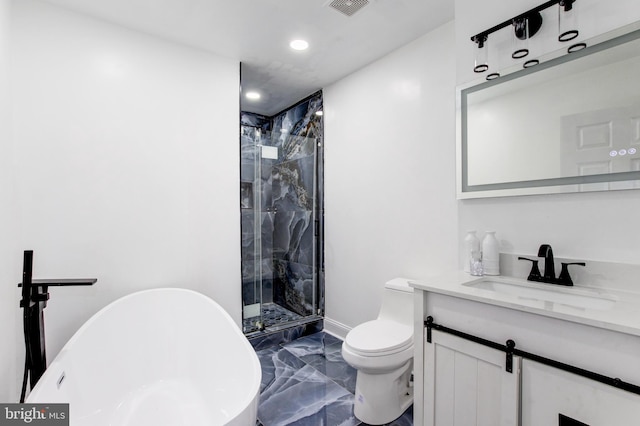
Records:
x=555, y=397
x=466, y=383
x=459, y=382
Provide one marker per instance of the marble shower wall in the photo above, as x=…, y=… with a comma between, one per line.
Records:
x=290, y=204
x=297, y=133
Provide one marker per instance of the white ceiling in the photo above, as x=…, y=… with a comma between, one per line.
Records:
x=257, y=33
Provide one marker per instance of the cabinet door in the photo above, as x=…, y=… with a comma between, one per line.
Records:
x=553, y=397
x=467, y=384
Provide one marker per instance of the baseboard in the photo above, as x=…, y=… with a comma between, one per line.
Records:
x=335, y=328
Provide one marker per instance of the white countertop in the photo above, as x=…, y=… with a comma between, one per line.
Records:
x=623, y=315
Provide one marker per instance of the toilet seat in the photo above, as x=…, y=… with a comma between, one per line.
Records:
x=379, y=338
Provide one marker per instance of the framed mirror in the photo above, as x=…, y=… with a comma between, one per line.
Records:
x=569, y=124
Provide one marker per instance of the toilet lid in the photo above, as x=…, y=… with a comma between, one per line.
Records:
x=379, y=336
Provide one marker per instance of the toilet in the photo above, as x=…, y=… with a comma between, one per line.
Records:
x=382, y=352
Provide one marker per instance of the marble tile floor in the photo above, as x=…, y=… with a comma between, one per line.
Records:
x=306, y=382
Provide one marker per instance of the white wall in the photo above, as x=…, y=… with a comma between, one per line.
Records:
x=390, y=207
x=590, y=226
x=9, y=258
x=127, y=163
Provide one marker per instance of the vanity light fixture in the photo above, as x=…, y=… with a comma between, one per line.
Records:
x=525, y=26
x=520, y=38
x=576, y=47
x=481, y=62
x=567, y=20
x=299, y=44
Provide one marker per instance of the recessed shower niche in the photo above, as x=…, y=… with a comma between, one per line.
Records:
x=281, y=200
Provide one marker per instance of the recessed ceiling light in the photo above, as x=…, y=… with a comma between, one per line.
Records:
x=253, y=95
x=299, y=45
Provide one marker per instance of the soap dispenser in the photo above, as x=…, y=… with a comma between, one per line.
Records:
x=471, y=245
x=490, y=254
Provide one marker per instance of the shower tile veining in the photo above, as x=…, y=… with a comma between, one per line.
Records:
x=306, y=382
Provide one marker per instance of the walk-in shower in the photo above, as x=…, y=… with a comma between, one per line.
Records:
x=282, y=226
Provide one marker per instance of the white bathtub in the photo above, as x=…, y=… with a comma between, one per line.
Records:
x=158, y=357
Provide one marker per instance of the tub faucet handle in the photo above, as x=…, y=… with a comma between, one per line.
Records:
x=534, y=275
x=565, y=278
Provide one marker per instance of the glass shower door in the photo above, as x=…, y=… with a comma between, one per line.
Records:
x=280, y=237
x=251, y=138
x=282, y=246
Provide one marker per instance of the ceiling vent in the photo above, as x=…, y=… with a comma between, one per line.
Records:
x=348, y=7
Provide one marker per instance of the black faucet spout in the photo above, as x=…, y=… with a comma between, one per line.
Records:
x=549, y=268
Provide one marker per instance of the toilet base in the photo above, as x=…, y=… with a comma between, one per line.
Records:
x=382, y=398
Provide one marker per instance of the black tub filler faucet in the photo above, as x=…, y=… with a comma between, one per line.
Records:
x=35, y=294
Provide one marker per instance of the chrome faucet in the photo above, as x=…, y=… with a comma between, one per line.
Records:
x=549, y=276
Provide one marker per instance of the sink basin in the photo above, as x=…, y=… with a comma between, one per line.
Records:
x=571, y=296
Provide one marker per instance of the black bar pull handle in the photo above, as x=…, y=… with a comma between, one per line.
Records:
x=510, y=350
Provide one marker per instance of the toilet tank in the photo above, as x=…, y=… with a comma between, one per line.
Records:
x=397, y=301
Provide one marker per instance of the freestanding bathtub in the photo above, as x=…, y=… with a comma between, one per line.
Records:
x=157, y=357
